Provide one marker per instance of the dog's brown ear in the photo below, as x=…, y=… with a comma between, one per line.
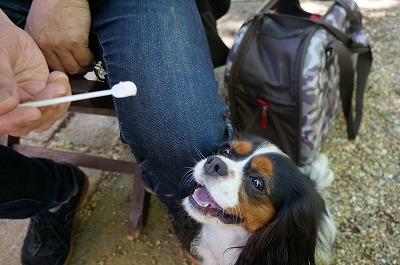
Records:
x=290, y=239
x=291, y=236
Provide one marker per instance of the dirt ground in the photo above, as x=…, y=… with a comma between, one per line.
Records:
x=101, y=236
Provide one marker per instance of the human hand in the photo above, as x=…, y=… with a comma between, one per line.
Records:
x=24, y=76
x=61, y=30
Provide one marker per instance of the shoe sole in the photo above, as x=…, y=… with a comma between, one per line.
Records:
x=78, y=208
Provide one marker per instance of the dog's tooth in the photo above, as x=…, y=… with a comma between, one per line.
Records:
x=202, y=204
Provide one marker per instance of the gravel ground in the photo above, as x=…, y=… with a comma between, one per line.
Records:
x=364, y=197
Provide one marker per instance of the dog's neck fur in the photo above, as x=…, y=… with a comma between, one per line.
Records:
x=219, y=244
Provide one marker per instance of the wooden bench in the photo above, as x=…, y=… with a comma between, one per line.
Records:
x=100, y=106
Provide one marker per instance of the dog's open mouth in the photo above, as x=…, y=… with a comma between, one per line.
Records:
x=202, y=200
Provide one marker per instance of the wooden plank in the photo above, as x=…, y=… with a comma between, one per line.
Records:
x=79, y=159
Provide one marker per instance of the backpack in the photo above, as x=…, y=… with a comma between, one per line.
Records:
x=290, y=72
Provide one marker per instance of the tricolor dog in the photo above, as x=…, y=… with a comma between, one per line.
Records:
x=256, y=207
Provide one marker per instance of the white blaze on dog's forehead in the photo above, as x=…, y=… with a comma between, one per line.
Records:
x=124, y=89
x=267, y=149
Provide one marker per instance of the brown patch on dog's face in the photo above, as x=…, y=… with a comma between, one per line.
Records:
x=254, y=213
x=262, y=165
x=255, y=208
x=242, y=148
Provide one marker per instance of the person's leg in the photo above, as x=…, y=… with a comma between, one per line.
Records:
x=50, y=194
x=31, y=186
x=177, y=115
x=210, y=11
x=16, y=11
x=219, y=7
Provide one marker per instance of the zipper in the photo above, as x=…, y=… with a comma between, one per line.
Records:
x=264, y=113
x=297, y=85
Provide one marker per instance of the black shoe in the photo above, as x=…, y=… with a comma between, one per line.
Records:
x=49, y=237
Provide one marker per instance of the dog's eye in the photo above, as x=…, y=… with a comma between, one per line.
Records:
x=258, y=183
x=225, y=151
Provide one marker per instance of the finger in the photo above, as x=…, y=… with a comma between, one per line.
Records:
x=53, y=61
x=19, y=121
x=70, y=63
x=57, y=85
x=9, y=96
x=8, y=100
x=58, y=78
x=84, y=56
x=49, y=117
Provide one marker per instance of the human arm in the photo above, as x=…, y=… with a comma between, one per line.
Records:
x=61, y=30
x=24, y=76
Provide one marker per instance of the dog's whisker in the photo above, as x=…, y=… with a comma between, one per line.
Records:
x=187, y=179
x=212, y=151
x=194, y=160
x=199, y=153
x=184, y=183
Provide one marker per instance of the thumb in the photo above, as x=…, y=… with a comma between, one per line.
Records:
x=9, y=96
x=57, y=85
x=61, y=81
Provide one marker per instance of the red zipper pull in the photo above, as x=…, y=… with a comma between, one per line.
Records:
x=264, y=115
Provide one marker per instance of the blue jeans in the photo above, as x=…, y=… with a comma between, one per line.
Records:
x=161, y=46
x=177, y=115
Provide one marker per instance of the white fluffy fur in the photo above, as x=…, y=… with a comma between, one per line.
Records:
x=321, y=174
x=319, y=171
x=327, y=233
x=215, y=242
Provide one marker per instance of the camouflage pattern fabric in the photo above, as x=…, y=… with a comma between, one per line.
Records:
x=321, y=98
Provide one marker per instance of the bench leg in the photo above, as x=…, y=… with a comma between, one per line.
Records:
x=140, y=205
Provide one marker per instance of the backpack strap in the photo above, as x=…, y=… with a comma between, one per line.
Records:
x=346, y=84
x=363, y=68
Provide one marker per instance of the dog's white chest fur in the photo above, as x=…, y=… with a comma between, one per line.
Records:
x=217, y=245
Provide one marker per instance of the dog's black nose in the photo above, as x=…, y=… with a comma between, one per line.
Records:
x=214, y=166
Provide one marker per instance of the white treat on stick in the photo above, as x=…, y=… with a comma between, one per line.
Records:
x=124, y=89
x=120, y=90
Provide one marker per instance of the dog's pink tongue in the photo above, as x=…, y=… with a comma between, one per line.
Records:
x=204, y=199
